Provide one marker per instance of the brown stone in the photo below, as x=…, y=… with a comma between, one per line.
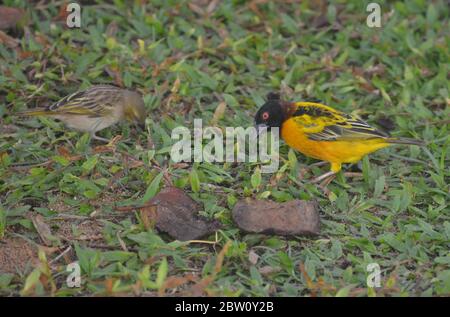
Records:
x=177, y=215
x=296, y=217
x=10, y=17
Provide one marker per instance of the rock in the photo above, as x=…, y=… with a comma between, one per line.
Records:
x=296, y=217
x=177, y=215
x=10, y=17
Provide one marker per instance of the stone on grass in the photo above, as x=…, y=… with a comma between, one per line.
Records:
x=177, y=215
x=296, y=217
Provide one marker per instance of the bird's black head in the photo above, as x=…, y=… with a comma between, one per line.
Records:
x=271, y=114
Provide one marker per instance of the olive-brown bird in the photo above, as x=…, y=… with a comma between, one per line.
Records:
x=95, y=108
x=323, y=133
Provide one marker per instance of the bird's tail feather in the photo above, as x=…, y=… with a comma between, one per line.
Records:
x=405, y=141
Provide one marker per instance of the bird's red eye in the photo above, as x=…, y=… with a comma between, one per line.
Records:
x=265, y=116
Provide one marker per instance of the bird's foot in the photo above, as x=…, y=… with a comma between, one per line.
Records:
x=95, y=137
x=324, y=184
x=329, y=175
x=321, y=163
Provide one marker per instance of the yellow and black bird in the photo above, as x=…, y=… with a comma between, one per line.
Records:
x=323, y=133
x=95, y=108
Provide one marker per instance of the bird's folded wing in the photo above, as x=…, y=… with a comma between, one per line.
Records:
x=81, y=103
x=321, y=123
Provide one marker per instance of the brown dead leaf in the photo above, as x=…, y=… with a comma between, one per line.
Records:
x=148, y=216
x=8, y=41
x=25, y=54
x=63, y=13
x=308, y=280
x=42, y=39
x=114, y=141
x=321, y=286
x=3, y=157
x=253, y=257
x=111, y=29
x=102, y=149
x=218, y=113
x=367, y=86
x=212, y=6
x=43, y=230
x=195, y=8
x=63, y=151
x=180, y=165
x=108, y=148
x=221, y=257
x=109, y=284
x=199, y=289
x=253, y=6
x=176, y=281
x=176, y=86
x=378, y=69
x=266, y=270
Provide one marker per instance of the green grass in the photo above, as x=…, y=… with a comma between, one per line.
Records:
x=397, y=215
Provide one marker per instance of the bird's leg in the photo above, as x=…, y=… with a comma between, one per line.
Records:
x=335, y=168
x=320, y=163
x=317, y=164
x=95, y=137
x=94, y=129
x=324, y=185
x=320, y=178
x=327, y=181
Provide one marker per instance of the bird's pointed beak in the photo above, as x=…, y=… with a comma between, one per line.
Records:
x=260, y=128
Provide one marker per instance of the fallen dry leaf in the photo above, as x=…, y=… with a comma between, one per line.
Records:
x=200, y=288
x=63, y=151
x=7, y=40
x=266, y=270
x=148, y=216
x=43, y=230
x=253, y=257
x=320, y=286
x=218, y=113
x=195, y=8
x=176, y=281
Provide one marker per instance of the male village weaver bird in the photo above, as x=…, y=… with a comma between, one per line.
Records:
x=323, y=133
x=95, y=108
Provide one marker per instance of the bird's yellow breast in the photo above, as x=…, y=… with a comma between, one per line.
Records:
x=348, y=151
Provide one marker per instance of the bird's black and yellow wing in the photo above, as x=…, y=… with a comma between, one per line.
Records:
x=322, y=123
x=97, y=101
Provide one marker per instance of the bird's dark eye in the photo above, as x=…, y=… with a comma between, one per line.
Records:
x=265, y=116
